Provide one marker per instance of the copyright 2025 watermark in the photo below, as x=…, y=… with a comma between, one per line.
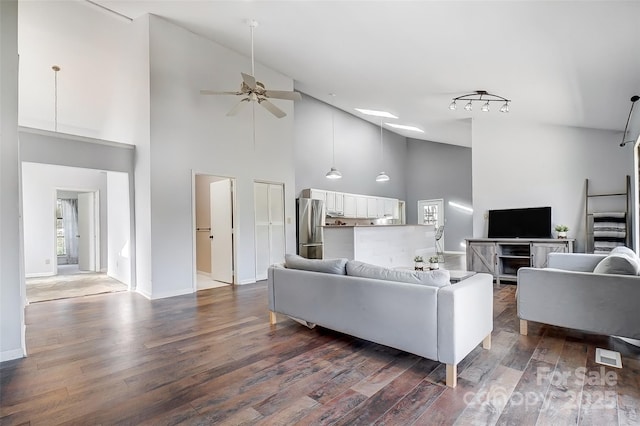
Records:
x=553, y=385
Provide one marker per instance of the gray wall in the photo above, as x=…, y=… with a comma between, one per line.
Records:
x=435, y=170
x=521, y=164
x=357, y=146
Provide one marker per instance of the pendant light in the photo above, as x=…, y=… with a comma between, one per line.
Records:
x=333, y=173
x=55, y=69
x=382, y=176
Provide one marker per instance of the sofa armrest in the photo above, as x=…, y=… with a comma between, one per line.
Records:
x=465, y=317
x=599, y=303
x=584, y=262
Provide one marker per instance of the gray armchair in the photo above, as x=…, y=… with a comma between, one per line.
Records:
x=569, y=294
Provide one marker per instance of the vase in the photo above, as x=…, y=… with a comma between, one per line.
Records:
x=419, y=266
x=562, y=234
x=433, y=265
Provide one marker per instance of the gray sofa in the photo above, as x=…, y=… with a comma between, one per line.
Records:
x=584, y=292
x=443, y=323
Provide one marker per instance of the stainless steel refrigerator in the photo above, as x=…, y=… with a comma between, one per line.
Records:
x=311, y=216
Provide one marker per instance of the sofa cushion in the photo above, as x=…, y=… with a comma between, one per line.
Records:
x=618, y=263
x=329, y=266
x=435, y=278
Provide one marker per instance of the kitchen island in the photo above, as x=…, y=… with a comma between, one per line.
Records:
x=384, y=245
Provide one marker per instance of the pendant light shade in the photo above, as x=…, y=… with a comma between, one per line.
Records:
x=333, y=173
x=382, y=177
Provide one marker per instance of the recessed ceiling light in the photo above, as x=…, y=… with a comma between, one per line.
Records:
x=403, y=127
x=376, y=113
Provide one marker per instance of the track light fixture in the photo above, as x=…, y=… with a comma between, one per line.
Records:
x=633, y=99
x=480, y=96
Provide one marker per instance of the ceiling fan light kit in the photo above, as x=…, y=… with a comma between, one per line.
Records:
x=256, y=91
x=480, y=96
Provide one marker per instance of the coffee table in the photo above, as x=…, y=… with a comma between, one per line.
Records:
x=458, y=275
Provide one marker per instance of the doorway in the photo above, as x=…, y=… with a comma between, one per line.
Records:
x=214, y=233
x=77, y=232
x=431, y=212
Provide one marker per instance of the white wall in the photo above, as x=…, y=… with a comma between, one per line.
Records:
x=357, y=147
x=39, y=184
x=532, y=165
x=191, y=133
x=12, y=300
x=119, y=243
x=95, y=85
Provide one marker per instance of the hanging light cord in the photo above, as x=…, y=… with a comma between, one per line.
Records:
x=381, y=148
x=634, y=99
x=55, y=69
x=333, y=131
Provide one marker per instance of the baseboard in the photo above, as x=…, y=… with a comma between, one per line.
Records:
x=143, y=293
x=40, y=275
x=249, y=281
x=455, y=252
x=181, y=292
x=12, y=354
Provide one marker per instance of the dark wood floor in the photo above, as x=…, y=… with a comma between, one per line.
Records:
x=212, y=358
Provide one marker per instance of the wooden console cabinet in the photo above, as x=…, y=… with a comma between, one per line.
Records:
x=503, y=257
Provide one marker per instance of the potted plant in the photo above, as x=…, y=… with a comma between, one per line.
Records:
x=433, y=262
x=562, y=231
x=419, y=263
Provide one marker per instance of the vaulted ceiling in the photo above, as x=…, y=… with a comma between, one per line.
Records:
x=570, y=63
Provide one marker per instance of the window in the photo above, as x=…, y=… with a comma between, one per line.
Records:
x=60, y=243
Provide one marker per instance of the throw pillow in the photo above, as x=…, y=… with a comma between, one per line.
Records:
x=626, y=251
x=618, y=263
x=435, y=278
x=329, y=266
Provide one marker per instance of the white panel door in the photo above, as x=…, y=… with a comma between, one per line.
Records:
x=221, y=237
x=276, y=221
x=270, y=232
x=86, y=232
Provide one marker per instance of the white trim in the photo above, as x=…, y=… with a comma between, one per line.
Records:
x=40, y=275
x=143, y=293
x=164, y=295
x=455, y=252
x=12, y=354
x=67, y=136
x=247, y=281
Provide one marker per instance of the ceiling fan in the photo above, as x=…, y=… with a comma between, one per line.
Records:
x=255, y=91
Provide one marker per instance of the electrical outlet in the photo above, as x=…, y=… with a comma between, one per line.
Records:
x=288, y=221
x=486, y=216
x=47, y=261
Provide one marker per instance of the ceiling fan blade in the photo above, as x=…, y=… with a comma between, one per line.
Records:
x=214, y=92
x=272, y=108
x=283, y=94
x=249, y=80
x=236, y=109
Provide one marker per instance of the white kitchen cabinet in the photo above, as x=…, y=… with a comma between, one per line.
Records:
x=361, y=207
x=335, y=203
x=350, y=206
x=391, y=207
x=372, y=207
x=318, y=194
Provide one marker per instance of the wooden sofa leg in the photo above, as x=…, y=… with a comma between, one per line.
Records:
x=452, y=375
x=523, y=327
x=486, y=343
x=272, y=318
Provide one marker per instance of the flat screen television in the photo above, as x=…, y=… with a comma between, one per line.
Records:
x=533, y=222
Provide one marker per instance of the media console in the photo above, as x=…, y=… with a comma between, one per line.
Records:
x=502, y=257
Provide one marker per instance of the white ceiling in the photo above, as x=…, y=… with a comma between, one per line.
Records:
x=572, y=63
